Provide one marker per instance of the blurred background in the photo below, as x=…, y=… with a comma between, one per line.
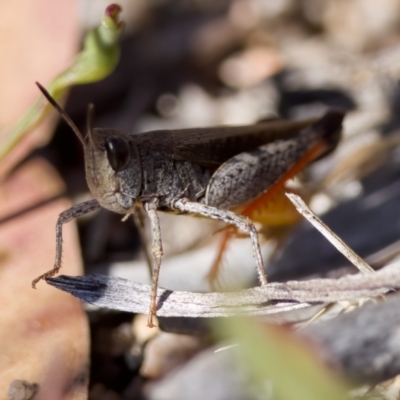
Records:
x=186, y=64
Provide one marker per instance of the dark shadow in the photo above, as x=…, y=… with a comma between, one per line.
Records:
x=367, y=224
x=163, y=298
x=290, y=98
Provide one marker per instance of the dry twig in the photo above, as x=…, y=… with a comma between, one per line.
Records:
x=305, y=211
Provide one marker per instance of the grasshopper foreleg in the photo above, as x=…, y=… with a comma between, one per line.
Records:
x=66, y=216
x=138, y=217
x=231, y=218
x=157, y=251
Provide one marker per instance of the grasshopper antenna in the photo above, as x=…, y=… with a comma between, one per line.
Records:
x=63, y=114
x=89, y=121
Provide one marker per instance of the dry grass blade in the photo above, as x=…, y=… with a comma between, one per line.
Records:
x=305, y=211
x=125, y=295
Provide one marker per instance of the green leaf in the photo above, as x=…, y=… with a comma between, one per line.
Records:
x=99, y=57
x=271, y=354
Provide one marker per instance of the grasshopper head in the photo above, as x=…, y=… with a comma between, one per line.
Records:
x=113, y=169
x=112, y=162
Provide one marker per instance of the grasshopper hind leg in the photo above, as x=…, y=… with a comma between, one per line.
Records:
x=239, y=221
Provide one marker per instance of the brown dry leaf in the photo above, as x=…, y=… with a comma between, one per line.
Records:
x=44, y=333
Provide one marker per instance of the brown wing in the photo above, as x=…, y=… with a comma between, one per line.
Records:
x=210, y=147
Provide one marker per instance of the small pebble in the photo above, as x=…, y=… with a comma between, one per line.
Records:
x=22, y=390
x=167, y=351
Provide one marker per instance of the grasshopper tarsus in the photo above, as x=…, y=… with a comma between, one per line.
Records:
x=48, y=274
x=152, y=314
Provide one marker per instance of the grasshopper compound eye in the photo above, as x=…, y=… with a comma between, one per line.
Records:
x=118, y=152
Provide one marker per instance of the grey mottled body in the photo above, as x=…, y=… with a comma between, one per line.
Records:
x=202, y=171
x=157, y=168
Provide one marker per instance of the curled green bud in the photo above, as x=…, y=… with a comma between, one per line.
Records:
x=99, y=57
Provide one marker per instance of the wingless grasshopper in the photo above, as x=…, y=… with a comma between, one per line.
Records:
x=205, y=172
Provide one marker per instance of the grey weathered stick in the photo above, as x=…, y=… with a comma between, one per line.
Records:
x=305, y=211
x=364, y=344
x=124, y=295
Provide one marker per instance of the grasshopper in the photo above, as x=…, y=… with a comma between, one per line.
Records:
x=204, y=171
